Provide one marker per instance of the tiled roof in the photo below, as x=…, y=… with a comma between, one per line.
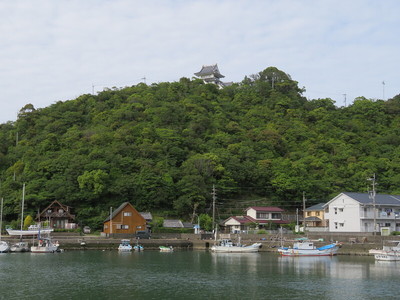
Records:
x=318, y=206
x=210, y=70
x=173, y=224
x=380, y=199
x=116, y=212
x=147, y=215
x=266, y=208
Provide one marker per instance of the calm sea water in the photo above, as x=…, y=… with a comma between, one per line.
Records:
x=194, y=275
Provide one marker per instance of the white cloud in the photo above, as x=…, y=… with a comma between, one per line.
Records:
x=56, y=50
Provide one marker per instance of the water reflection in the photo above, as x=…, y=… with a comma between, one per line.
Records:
x=307, y=264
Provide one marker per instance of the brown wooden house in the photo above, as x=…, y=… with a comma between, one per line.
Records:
x=58, y=215
x=125, y=219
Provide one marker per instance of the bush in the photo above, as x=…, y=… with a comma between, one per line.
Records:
x=262, y=231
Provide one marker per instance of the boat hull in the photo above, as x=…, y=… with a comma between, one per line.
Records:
x=14, y=232
x=4, y=247
x=387, y=256
x=38, y=249
x=236, y=249
x=328, y=250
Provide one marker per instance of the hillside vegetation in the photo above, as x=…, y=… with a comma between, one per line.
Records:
x=163, y=147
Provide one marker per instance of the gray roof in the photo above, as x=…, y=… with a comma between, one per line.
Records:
x=116, y=212
x=147, y=216
x=208, y=70
x=172, y=224
x=313, y=219
x=187, y=225
x=316, y=207
x=380, y=199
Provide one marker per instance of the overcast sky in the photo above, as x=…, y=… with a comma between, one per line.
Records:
x=58, y=50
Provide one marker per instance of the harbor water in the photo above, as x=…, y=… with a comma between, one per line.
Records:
x=194, y=275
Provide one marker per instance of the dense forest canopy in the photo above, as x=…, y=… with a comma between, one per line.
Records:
x=163, y=146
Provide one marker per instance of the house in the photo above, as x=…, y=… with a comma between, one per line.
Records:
x=314, y=217
x=256, y=217
x=362, y=212
x=124, y=220
x=58, y=215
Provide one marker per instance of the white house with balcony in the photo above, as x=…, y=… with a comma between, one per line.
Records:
x=361, y=212
x=257, y=217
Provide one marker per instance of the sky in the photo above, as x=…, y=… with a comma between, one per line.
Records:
x=54, y=51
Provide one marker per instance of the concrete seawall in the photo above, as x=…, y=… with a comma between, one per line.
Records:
x=350, y=245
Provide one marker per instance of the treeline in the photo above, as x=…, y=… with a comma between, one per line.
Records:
x=164, y=146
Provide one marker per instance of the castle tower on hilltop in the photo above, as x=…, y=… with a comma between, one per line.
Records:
x=211, y=74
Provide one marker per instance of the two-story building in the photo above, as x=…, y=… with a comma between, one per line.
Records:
x=314, y=217
x=362, y=212
x=257, y=217
x=124, y=220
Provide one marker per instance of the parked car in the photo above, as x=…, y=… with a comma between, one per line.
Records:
x=86, y=229
x=142, y=234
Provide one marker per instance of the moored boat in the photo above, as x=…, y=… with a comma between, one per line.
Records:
x=166, y=249
x=227, y=246
x=307, y=248
x=387, y=253
x=45, y=245
x=4, y=246
x=32, y=230
x=20, y=247
x=125, y=246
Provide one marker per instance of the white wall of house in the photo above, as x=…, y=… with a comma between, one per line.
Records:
x=233, y=225
x=344, y=214
x=264, y=215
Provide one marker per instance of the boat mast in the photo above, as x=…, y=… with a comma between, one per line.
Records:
x=1, y=216
x=22, y=210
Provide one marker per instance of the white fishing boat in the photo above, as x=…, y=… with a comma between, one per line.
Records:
x=389, y=256
x=45, y=245
x=20, y=247
x=4, y=246
x=387, y=253
x=125, y=246
x=166, y=249
x=307, y=248
x=227, y=246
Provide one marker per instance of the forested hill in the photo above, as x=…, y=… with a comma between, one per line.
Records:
x=163, y=147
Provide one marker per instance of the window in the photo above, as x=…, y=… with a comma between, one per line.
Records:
x=262, y=215
x=138, y=227
x=308, y=213
x=119, y=226
x=105, y=226
x=127, y=214
x=317, y=213
x=341, y=209
x=276, y=216
x=387, y=224
x=341, y=224
x=335, y=225
x=335, y=210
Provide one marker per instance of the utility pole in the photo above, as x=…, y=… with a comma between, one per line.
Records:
x=214, y=197
x=372, y=196
x=110, y=221
x=304, y=210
